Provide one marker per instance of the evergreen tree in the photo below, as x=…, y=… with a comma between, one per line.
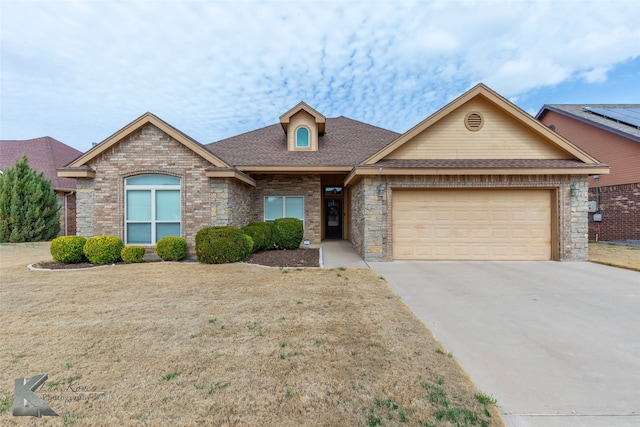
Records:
x=28, y=205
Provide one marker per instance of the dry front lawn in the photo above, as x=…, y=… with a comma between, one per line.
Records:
x=227, y=345
x=615, y=255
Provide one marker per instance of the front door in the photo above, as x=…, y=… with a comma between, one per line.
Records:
x=333, y=218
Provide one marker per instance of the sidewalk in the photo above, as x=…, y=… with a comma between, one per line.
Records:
x=340, y=253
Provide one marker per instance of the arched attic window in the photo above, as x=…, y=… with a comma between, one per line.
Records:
x=302, y=137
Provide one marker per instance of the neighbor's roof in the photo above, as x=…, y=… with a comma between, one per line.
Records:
x=346, y=142
x=585, y=113
x=44, y=155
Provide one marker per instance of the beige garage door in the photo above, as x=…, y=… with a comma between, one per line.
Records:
x=472, y=224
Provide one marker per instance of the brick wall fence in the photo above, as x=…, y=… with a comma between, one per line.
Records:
x=620, y=210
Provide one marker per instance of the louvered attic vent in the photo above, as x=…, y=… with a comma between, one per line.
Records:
x=474, y=121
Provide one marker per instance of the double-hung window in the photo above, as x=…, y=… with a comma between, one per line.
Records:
x=283, y=207
x=152, y=208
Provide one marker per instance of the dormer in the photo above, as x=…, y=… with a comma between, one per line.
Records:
x=302, y=125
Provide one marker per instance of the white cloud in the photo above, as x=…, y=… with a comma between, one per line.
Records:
x=79, y=70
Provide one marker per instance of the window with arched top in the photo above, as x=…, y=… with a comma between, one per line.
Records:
x=302, y=137
x=152, y=208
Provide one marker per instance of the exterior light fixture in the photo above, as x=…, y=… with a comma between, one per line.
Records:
x=380, y=190
x=575, y=191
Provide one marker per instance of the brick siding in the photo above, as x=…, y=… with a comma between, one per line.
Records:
x=148, y=150
x=307, y=186
x=620, y=210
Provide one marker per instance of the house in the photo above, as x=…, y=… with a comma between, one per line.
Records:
x=479, y=179
x=46, y=155
x=611, y=133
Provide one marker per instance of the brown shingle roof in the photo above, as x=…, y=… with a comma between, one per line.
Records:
x=44, y=154
x=346, y=142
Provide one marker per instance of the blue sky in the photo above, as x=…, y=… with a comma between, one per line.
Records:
x=78, y=71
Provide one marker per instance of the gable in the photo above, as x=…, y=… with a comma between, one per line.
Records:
x=506, y=132
x=302, y=119
x=498, y=136
x=139, y=123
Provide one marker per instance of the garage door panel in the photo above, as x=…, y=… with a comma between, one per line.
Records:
x=472, y=224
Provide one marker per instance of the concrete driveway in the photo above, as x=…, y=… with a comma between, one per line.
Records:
x=557, y=344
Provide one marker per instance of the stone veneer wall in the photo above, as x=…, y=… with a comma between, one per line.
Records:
x=356, y=218
x=620, y=210
x=373, y=239
x=100, y=201
x=230, y=202
x=84, y=207
x=292, y=185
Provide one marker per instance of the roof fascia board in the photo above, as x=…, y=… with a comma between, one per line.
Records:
x=295, y=169
x=496, y=99
x=359, y=172
x=231, y=173
x=76, y=173
x=137, y=124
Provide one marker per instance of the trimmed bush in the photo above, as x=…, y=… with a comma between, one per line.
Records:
x=103, y=249
x=132, y=254
x=68, y=249
x=262, y=235
x=287, y=233
x=249, y=242
x=223, y=244
x=171, y=248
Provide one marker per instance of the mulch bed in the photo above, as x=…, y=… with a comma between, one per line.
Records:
x=308, y=257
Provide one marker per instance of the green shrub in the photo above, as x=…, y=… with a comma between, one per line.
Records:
x=287, y=233
x=249, y=242
x=68, y=249
x=103, y=249
x=219, y=245
x=262, y=235
x=132, y=254
x=171, y=248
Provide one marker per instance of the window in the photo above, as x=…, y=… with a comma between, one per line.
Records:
x=152, y=208
x=283, y=207
x=302, y=137
x=333, y=191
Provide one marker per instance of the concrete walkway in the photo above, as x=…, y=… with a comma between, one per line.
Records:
x=340, y=253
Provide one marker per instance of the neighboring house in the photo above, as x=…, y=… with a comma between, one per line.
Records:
x=611, y=133
x=479, y=179
x=46, y=155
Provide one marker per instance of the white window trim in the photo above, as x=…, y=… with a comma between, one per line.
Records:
x=284, y=204
x=153, y=221
x=308, y=137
